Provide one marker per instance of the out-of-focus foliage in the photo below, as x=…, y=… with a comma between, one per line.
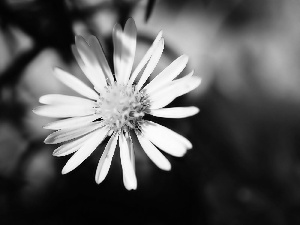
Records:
x=244, y=168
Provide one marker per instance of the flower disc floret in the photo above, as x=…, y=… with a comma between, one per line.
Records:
x=121, y=108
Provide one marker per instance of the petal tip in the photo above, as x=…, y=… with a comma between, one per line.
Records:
x=98, y=178
x=55, y=69
x=46, y=141
x=42, y=100
x=36, y=110
x=117, y=26
x=97, y=181
x=185, y=58
x=168, y=167
x=65, y=170
x=160, y=34
x=78, y=37
x=130, y=21
x=46, y=126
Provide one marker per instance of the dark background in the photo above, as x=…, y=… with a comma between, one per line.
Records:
x=244, y=167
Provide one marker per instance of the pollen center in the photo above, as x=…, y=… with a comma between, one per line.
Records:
x=121, y=108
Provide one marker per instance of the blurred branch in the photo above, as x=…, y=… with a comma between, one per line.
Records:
x=149, y=9
x=11, y=75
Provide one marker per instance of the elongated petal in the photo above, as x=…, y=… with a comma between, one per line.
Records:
x=176, y=112
x=57, y=99
x=98, y=51
x=154, y=92
x=93, y=71
x=88, y=72
x=63, y=111
x=118, y=42
x=127, y=184
x=128, y=171
x=85, y=151
x=151, y=65
x=74, y=83
x=166, y=139
x=128, y=50
x=71, y=147
x=105, y=160
x=67, y=135
x=168, y=74
x=71, y=122
x=154, y=154
x=146, y=58
x=131, y=151
x=166, y=95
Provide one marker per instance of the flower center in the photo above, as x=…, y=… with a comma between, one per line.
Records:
x=121, y=108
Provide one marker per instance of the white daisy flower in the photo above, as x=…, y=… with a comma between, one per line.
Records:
x=117, y=105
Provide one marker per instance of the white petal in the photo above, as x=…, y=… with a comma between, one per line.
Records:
x=92, y=69
x=105, y=160
x=166, y=139
x=118, y=42
x=127, y=184
x=154, y=92
x=76, y=84
x=168, y=74
x=128, y=171
x=176, y=112
x=71, y=122
x=177, y=88
x=146, y=58
x=85, y=151
x=56, y=99
x=71, y=147
x=63, y=111
x=88, y=72
x=98, y=51
x=131, y=151
x=69, y=134
x=128, y=50
x=154, y=154
x=151, y=65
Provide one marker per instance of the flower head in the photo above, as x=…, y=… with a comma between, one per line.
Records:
x=117, y=105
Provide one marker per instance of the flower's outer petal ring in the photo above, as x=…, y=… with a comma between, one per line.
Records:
x=74, y=83
x=151, y=64
x=146, y=58
x=176, y=112
x=118, y=43
x=98, y=51
x=70, y=134
x=58, y=99
x=71, y=147
x=168, y=74
x=128, y=49
x=86, y=150
x=166, y=139
x=166, y=95
x=71, y=122
x=92, y=69
x=63, y=111
x=105, y=160
x=154, y=154
x=128, y=170
x=127, y=184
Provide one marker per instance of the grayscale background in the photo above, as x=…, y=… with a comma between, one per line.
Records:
x=244, y=168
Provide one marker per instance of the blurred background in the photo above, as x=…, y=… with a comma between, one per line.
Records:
x=244, y=167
